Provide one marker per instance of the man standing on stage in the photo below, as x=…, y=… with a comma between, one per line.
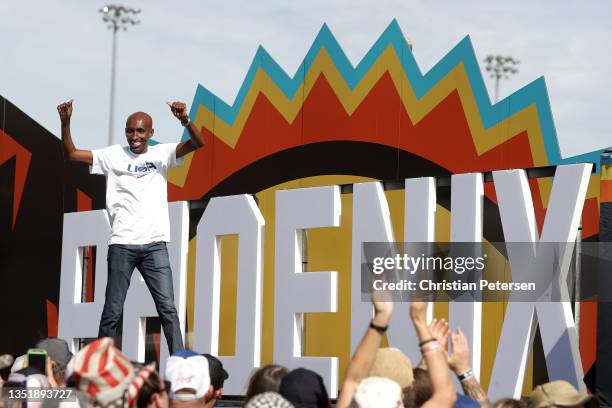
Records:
x=137, y=204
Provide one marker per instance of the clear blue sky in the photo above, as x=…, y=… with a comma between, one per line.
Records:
x=57, y=50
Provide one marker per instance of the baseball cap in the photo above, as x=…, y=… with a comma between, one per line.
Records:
x=105, y=374
x=217, y=373
x=57, y=349
x=304, y=388
x=187, y=370
x=561, y=394
x=391, y=363
x=378, y=392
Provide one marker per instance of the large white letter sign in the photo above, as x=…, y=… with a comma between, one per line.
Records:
x=467, y=193
x=296, y=292
x=139, y=302
x=371, y=223
x=420, y=210
x=419, y=226
x=76, y=319
x=227, y=216
x=556, y=322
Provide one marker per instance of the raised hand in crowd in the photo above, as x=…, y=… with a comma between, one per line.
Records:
x=439, y=331
x=363, y=359
x=459, y=362
x=435, y=358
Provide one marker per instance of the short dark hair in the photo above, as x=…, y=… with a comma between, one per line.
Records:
x=152, y=385
x=267, y=378
x=421, y=389
x=304, y=388
x=217, y=374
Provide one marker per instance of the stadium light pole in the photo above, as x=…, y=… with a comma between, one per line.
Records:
x=118, y=18
x=500, y=67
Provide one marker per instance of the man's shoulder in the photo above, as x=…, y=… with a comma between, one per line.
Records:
x=162, y=150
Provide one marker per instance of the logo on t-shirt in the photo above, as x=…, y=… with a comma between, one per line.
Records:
x=141, y=170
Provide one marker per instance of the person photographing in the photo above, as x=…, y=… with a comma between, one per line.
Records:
x=137, y=205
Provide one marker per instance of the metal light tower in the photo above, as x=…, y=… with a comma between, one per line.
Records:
x=500, y=67
x=117, y=17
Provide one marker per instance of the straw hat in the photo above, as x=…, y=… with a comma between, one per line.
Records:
x=561, y=394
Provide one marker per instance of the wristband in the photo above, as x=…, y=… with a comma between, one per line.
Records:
x=424, y=342
x=185, y=123
x=430, y=348
x=430, y=351
x=465, y=375
x=380, y=329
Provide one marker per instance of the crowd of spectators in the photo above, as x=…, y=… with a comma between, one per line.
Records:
x=101, y=376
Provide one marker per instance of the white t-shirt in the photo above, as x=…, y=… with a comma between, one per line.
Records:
x=137, y=191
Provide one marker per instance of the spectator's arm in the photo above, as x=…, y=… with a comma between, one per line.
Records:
x=435, y=358
x=365, y=354
x=459, y=363
x=473, y=389
x=439, y=331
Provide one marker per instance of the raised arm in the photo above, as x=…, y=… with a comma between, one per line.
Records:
x=439, y=331
x=71, y=152
x=365, y=354
x=435, y=358
x=459, y=363
x=179, y=110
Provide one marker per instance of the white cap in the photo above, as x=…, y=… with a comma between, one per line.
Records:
x=378, y=392
x=187, y=371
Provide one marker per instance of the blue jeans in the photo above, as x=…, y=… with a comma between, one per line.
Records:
x=154, y=266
